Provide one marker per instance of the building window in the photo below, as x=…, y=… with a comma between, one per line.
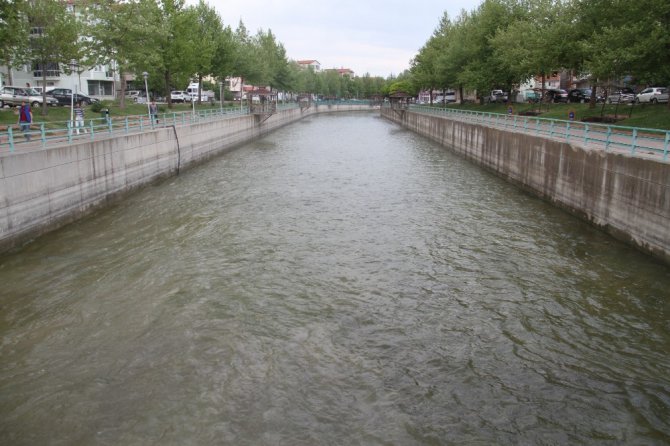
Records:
x=52, y=70
x=100, y=88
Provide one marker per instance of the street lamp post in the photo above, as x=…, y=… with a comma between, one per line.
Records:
x=73, y=67
x=192, y=104
x=146, y=91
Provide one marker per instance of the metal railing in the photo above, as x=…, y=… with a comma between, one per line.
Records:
x=48, y=134
x=634, y=140
x=44, y=134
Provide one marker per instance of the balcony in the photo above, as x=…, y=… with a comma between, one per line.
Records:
x=51, y=74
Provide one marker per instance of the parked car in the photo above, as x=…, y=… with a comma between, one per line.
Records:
x=555, y=95
x=653, y=95
x=580, y=95
x=64, y=97
x=179, y=96
x=622, y=96
x=532, y=96
x=497, y=96
x=14, y=96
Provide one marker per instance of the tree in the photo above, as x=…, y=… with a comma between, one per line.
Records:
x=176, y=48
x=53, y=37
x=121, y=35
x=274, y=64
x=626, y=38
x=429, y=69
x=534, y=42
x=246, y=56
x=14, y=33
x=208, y=31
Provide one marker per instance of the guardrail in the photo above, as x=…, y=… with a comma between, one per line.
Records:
x=44, y=134
x=635, y=140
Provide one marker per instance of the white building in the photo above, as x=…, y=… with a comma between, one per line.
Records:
x=310, y=63
x=98, y=82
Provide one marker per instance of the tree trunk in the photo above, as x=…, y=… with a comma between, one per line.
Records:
x=167, y=88
x=199, y=88
x=10, y=80
x=44, y=91
x=122, y=77
x=592, y=100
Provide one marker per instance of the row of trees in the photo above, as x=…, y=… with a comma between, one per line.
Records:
x=171, y=41
x=506, y=42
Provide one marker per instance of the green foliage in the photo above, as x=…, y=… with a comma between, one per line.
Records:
x=97, y=107
x=505, y=42
x=55, y=39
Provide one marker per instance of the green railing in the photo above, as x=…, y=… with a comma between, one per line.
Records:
x=46, y=134
x=634, y=140
x=43, y=134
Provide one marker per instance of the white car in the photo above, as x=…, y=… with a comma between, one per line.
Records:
x=179, y=96
x=653, y=95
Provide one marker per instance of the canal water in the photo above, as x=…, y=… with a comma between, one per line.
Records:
x=339, y=282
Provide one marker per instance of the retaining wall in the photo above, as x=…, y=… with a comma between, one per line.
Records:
x=627, y=197
x=44, y=189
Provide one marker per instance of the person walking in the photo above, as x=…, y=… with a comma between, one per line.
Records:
x=79, y=118
x=25, y=119
x=153, y=111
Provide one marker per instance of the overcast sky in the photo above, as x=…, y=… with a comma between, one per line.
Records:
x=369, y=36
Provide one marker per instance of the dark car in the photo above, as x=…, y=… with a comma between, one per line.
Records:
x=64, y=97
x=579, y=95
x=556, y=95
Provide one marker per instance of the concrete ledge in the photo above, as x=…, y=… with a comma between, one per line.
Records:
x=625, y=196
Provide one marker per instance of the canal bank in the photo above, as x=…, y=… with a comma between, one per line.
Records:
x=41, y=190
x=625, y=196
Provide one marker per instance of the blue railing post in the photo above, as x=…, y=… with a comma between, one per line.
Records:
x=43, y=134
x=69, y=131
x=607, y=140
x=567, y=131
x=586, y=133
x=633, y=142
x=10, y=136
x=665, y=147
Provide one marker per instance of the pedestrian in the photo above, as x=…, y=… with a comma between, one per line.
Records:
x=153, y=111
x=25, y=119
x=79, y=117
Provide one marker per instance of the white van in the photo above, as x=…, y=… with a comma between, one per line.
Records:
x=192, y=91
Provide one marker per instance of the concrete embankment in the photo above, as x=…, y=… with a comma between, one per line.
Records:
x=41, y=190
x=625, y=196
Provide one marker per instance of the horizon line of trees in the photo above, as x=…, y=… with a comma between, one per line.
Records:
x=503, y=43
x=172, y=42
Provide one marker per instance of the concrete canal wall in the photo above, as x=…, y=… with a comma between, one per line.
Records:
x=627, y=197
x=43, y=189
